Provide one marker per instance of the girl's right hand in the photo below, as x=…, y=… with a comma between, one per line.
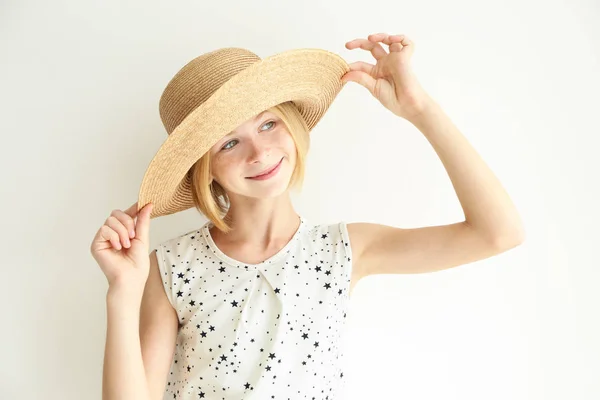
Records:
x=121, y=246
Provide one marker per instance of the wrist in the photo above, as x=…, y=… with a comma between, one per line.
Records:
x=124, y=295
x=428, y=108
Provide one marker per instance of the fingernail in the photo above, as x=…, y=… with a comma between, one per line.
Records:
x=131, y=234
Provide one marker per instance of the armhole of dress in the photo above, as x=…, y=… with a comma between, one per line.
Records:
x=346, y=245
x=165, y=277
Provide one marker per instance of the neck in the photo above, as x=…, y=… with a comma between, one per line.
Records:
x=261, y=223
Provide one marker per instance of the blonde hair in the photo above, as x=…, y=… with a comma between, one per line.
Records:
x=211, y=199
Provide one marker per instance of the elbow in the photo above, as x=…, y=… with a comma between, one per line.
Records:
x=509, y=240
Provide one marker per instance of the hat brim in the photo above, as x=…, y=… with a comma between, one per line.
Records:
x=311, y=78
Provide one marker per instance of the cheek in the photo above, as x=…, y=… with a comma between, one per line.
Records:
x=216, y=166
x=287, y=143
x=225, y=165
x=291, y=149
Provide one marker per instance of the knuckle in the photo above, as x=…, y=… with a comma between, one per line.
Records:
x=107, y=231
x=113, y=221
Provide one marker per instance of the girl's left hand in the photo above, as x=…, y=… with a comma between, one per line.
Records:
x=391, y=80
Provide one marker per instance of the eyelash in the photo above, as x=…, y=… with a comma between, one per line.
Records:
x=225, y=145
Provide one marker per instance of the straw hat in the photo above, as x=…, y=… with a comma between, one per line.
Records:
x=218, y=91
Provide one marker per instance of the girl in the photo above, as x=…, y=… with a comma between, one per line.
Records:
x=252, y=305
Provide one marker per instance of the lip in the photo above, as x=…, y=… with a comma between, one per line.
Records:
x=267, y=174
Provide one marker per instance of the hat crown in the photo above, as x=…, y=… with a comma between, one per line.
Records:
x=198, y=80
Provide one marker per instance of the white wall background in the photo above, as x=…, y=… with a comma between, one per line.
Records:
x=80, y=83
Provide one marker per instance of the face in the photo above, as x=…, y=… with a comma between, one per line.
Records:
x=256, y=146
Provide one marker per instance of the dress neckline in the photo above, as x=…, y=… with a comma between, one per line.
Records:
x=231, y=261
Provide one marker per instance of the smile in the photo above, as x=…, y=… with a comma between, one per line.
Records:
x=272, y=172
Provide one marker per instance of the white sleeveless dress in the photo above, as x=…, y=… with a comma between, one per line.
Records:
x=263, y=331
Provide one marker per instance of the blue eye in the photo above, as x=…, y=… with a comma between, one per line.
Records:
x=235, y=140
x=227, y=148
x=270, y=122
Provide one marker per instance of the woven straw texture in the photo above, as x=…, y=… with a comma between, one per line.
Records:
x=216, y=92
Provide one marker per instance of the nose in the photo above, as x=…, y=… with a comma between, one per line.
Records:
x=259, y=151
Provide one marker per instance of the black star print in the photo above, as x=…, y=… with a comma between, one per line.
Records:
x=198, y=271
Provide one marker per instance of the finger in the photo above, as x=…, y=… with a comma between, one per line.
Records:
x=362, y=78
x=110, y=236
x=378, y=35
x=132, y=211
x=142, y=226
x=397, y=39
x=375, y=48
x=399, y=42
x=126, y=220
x=396, y=47
x=395, y=42
x=387, y=38
x=118, y=227
x=362, y=66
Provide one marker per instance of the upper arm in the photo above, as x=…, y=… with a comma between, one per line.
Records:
x=158, y=331
x=381, y=249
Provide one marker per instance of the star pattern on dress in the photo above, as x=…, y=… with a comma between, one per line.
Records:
x=273, y=329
